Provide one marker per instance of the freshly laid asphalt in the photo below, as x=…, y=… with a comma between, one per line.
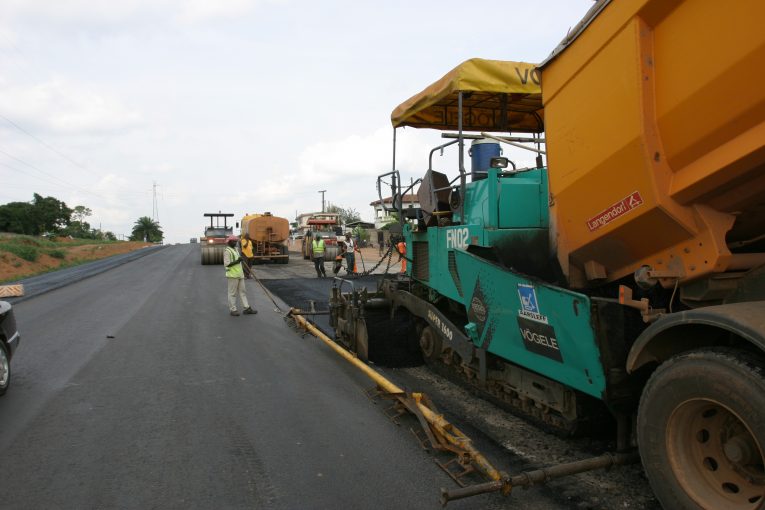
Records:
x=36, y=285
x=134, y=388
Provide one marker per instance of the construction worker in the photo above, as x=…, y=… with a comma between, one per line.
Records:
x=247, y=254
x=401, y=247
x=339, y=257
x=235, y=278
x=317, y=252
x=350, y=256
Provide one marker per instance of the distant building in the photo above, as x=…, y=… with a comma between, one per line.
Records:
x=361, y=224
x=382, y=217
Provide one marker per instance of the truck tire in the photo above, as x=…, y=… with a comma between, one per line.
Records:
x=701, y=430
x=5, y=369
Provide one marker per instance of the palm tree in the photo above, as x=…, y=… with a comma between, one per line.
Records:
x=146, y=229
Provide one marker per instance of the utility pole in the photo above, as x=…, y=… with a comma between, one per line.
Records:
x=322, y=199
x=154, y=208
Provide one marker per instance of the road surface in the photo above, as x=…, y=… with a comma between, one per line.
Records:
x=135, y=389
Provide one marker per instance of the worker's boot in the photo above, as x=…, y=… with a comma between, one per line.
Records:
x=249, y=311
x=234, y=313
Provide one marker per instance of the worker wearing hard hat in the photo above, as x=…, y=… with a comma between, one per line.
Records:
x=235, y=277
x=317, y=251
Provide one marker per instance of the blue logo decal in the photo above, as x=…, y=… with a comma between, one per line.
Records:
x=528, y=298
x=529, y=304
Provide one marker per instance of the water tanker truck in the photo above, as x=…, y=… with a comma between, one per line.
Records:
x=213, y=243
x=268, y=234
x=622, y=280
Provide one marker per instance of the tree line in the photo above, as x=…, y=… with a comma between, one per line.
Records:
x=51, y=216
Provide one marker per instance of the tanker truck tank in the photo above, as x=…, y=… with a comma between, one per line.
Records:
x=268, y=234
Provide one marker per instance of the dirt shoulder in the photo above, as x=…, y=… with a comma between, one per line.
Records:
x=52, y=255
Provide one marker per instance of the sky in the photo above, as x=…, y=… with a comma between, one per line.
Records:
x=238, y=106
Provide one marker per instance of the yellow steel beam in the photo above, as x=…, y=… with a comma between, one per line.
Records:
x=439, y=424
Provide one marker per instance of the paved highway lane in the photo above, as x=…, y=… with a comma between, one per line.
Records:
x=36, y=285
x=136, y=389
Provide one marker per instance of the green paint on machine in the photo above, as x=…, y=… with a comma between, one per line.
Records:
x=543, y=328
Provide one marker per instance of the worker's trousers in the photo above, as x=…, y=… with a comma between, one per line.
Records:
x=236, y=286
x=318, y=264
x=350, y=260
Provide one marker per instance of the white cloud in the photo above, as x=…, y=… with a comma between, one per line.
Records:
x=351, y=156
x=88, y=12
x=159, y=169
x=200, y=10
x=77, y=10
x=64, y=107
x=233, y=105
x=110, y=186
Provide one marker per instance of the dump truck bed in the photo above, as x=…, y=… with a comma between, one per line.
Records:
x=655, y=123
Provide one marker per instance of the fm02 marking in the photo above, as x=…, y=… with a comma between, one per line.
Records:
x=457, y=238
x=540, y=339
x=435, y=321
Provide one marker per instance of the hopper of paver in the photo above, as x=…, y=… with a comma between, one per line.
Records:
x=656, y=142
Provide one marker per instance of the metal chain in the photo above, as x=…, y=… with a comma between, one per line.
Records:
x=387, y=255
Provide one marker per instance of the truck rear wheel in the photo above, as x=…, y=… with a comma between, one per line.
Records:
x=701, y=431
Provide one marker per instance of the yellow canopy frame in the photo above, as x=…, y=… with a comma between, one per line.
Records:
x=497, y=96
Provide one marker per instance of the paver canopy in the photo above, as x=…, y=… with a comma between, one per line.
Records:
x=499, y=96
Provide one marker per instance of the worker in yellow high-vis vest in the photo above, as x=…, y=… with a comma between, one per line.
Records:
x=317, y=252
x=235, y=278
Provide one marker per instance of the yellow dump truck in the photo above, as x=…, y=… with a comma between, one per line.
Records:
x=268, y=234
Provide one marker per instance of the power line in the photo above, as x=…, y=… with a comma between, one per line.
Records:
x=45, y=144
x=49, y=175
x=59, y=153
